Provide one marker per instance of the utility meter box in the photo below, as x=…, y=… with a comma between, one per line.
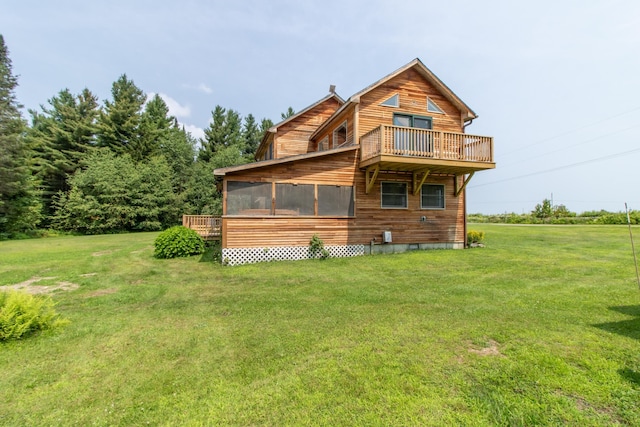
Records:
x=386, y=237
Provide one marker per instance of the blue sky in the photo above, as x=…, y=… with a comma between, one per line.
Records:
x=557, y=84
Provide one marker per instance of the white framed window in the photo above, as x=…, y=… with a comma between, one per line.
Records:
x=432, y=107
x=393, y=101
x=340, y=135
x=393, y=195
x=432, y=196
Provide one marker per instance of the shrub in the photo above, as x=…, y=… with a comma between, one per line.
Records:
x=178, y=241
x=22, y=314
x=317, y=249
x=475, y=236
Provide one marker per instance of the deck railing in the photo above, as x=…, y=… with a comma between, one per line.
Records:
x=207, y=226
x=403, y=141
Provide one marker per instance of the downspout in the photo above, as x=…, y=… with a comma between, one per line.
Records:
x=467, y=124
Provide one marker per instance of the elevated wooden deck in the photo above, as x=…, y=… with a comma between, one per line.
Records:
x=412, y=149
x=209, y=227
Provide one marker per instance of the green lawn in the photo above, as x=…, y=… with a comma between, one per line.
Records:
x=541, y=327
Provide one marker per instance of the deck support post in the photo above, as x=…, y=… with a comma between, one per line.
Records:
x=465, y=181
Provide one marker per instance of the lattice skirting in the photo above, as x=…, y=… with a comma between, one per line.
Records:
x=237, y=256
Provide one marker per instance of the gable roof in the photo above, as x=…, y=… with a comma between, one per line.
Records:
x=273, y=129
x=427, y=74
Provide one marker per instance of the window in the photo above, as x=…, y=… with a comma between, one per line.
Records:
x=394, y=195
x=433, y=107
x=411, y=121
x=340, y=135
x=407, y=142
x=394, y=101
x=334, y=200
x=295, y=199
x=432, y=196
x=324, y=144
x=248, y=198
x=268, y=155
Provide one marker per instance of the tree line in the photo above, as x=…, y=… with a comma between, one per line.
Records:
x=126, y=165
x=548, y=213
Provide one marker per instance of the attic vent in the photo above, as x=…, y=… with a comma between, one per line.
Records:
x=433, y=107
x=394, y=101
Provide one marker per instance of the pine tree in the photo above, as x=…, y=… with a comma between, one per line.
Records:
x=290, y=112
x=61, y=136
x=223, y=134
x=119, y=123
x=251, y=135
x=19, y=203
x=155, y=124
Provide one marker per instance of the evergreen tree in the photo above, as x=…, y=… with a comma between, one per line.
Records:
x=155, y=125
x=223, y=134
x=251, y=134
x=290, y=112
x=19, y=203
x=119, y=123
x=61, y=136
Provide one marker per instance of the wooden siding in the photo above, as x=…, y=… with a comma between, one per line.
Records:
x=292, y=138
x=348, y=114
x=413, y=90
x=441, y=226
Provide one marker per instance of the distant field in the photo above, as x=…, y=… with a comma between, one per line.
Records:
x=540, y=327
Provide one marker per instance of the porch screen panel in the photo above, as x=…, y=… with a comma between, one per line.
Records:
x=294, y=199
x=248, y=198
x=335, y=200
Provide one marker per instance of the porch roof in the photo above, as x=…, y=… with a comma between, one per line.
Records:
x=266, y=163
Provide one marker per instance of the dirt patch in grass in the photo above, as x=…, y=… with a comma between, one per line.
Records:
x=88, y=274
x=29, y=287
x=490, y=349
x=102, y=292
x=101, y=253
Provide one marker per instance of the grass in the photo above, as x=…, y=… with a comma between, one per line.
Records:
x=541, y=327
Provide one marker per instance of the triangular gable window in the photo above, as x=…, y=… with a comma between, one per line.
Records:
x=394, y=101
x=433, y=107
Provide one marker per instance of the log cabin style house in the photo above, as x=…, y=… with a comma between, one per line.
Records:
x=384, y=171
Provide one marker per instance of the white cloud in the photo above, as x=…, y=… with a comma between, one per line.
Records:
x=204, y=88
x=195, y=131
x=175, y=109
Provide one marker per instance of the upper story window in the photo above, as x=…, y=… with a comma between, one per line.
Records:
x=340, y=135
x=412, y=121
x=393, y=195
x=323, y=144
x=394, y=101
x=432, y=196
x=268, y=154
x=433, y=107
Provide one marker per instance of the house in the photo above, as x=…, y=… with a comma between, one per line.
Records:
x=384, y=171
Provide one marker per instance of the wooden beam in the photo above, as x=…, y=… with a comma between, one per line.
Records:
x=465, y=181
x=371, y=174
x=417, y=182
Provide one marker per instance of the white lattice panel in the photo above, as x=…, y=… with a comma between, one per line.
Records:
x=237, y=256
